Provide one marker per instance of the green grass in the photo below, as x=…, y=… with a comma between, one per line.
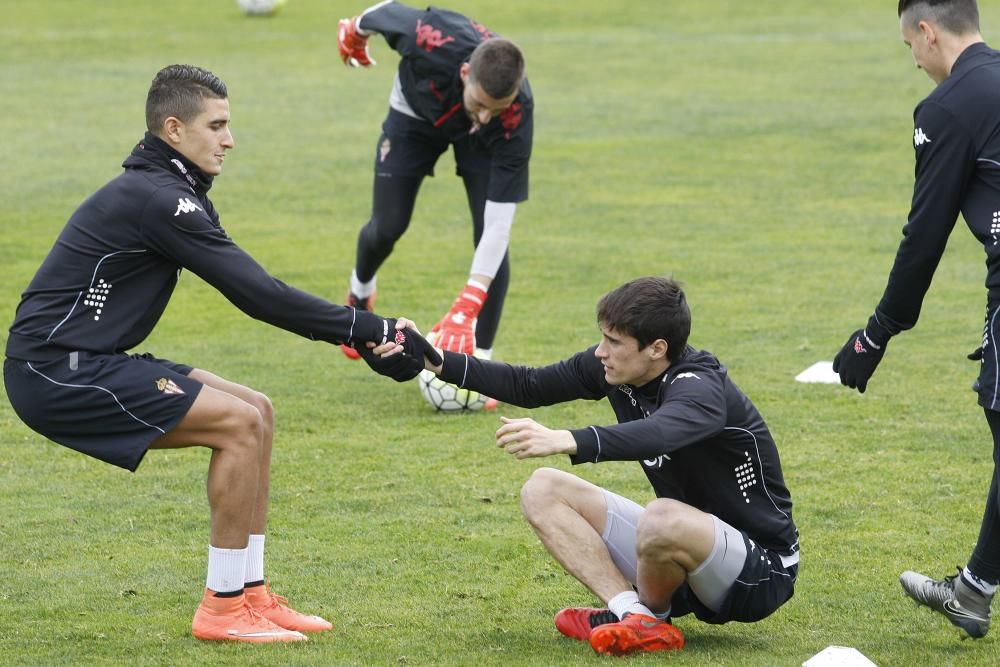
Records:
x=760, y=152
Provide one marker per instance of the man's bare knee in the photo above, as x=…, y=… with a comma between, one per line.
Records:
x=540, y=492
x=266, y=410
x=244, y=428
x=659, y=528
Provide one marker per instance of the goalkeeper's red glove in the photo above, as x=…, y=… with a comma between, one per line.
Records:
x=456, y=332
x=353, y=45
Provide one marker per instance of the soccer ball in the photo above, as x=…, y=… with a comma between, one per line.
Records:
x=446, y=397
x=260, y=7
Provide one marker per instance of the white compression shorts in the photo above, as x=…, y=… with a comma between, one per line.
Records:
x=710, y=581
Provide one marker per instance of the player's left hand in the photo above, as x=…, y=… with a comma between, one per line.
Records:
x=456, y=332
x=403, y=356
x=525, y=438
x=857, y=360
x=352, y=44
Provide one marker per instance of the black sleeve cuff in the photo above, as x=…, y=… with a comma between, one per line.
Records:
x=588, y=446
x=455, y=368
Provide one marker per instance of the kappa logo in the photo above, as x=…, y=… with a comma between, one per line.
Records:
x=168, y=386
x=684, y=375
x=658, y=462
x=919, y=138
x=185, y=205
x=429, y=37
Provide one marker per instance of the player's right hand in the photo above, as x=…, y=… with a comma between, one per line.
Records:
x=456, y=332
x=406, y=363
x=352, y=44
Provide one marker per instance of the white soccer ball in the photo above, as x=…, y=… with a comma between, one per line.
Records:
x=260, y=7
x=446, y=397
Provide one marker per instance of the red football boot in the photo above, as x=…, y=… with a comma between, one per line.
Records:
x=634, y=634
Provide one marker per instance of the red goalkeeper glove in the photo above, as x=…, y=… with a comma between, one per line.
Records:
x=353, y=45
x=456, y=332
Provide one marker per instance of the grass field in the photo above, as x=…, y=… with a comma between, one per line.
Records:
x=758, y=151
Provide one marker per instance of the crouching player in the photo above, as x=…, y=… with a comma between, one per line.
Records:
x=100, y=292
x=718, y=541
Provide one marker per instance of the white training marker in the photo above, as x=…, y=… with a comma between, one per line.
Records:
x=839, y=656
x=819, y=373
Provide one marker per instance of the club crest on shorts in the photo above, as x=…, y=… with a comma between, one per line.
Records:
x=383, y=149
x=168, y=386
x=400, y=337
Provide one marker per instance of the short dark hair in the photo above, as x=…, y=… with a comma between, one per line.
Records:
x=648, y=309
x=959, y=17
x=179, y=91
x=497, y=66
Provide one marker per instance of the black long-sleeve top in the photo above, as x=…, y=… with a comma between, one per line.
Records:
x=956, y=138
x=698, y=438
x=108, y=278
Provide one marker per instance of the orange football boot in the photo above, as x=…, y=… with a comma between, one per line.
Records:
x=634, y=634
x=233, y=619
x=275, y=609
x=579, y=622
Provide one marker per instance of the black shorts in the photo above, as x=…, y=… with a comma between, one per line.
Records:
x=763, y=585
x=411, y=147
x=109, y=406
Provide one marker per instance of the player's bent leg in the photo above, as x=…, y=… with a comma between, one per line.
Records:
x=556, y=503
x=672, y=539
x=260, y=597
x=570, y=517
x=233, y=429
x=393, y=198
x=265, y=408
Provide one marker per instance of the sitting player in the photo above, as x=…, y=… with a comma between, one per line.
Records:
x=718, y=541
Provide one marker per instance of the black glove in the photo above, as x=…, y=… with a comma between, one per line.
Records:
x=404, y=365
x=858, y=359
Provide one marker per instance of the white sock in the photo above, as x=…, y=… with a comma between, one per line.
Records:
x=478, y=285
x=484, y=353
x=255, y=559
x=628, y=603
x=977, y=583
x=225, y=569
x=360, y=289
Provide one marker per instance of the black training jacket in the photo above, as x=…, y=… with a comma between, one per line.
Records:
x=956, y=138
x=698, y=438
x=106, y=282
